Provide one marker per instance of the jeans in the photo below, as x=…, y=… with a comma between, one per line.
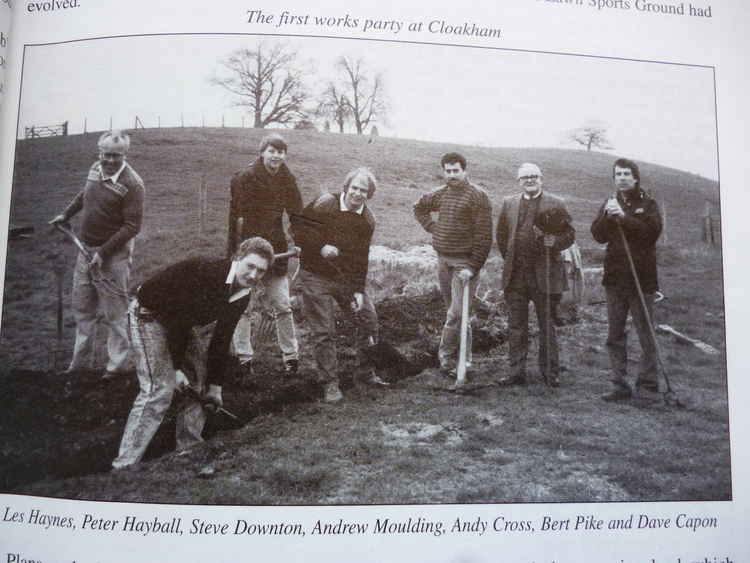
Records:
x=156, y=378
x=277, y=295
x=102, y=289
x=319, y=295
x=451, y=288
x=619, y=302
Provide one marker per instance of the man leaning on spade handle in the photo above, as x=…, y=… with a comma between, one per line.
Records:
x=111, y=209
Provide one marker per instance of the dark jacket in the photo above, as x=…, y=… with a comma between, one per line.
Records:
x=260, y=199
x=322, y=223
x=642, y=226
x=506, y=242
x=194, y=293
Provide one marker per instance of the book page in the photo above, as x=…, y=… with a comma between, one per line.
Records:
x=530, y=458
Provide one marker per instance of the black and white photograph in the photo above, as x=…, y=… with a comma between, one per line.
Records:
x=272, y=270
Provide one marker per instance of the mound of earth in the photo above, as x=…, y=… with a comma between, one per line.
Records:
x=56, y=426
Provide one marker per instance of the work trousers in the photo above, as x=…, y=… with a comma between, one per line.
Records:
x=451, y=288
x=517, y=299
x=277, y=295
x=102, y=289
x=619, y=302
x=156, y=378
x=319, y=296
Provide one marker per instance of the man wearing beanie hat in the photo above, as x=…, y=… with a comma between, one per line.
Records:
x=259, y=196
x=639, y=219
x=526, y=248
x=111, y=206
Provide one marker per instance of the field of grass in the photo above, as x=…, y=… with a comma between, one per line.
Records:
x=412, y=443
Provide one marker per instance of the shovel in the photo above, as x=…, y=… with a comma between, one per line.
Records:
x=670, y=397
x=462, y=348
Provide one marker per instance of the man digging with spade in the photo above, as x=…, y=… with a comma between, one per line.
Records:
x=111, y=206
x=629, y=223
x=534, y=227
x=163, y=315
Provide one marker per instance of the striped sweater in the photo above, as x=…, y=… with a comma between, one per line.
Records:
x=463, y=228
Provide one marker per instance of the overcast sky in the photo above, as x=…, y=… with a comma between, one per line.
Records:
x=655, y=112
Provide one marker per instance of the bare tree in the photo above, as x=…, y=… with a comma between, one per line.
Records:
x=365, y=94
x=268, y=81
x=592, y=134
x=334, y=104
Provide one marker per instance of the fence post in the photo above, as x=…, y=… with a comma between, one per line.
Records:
x=65, y=129
x=708, y=228
x=182, y=120
x=202, y=205
x=85, y=123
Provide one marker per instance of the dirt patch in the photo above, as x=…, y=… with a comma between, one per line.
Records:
x=55, y=426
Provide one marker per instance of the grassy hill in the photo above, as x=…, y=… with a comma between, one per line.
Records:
x=512, y=444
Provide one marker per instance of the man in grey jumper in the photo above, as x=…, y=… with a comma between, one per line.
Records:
x=111, y=207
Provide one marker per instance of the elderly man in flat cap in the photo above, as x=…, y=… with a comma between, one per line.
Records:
x=534, y=227
x=111, y=207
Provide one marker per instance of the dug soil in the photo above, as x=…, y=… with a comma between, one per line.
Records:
x=55, y=426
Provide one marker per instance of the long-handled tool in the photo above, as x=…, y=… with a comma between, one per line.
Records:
x=548, y=378
x=464, y=336
x=96, y=272
x=206, y=403
x=65, y=229
x=670, y=398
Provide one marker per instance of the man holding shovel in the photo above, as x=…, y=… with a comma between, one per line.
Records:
x=163, y=316
x=629, y=223
x=259, y=197
x=462, y=238
x=334, y=233
x=534, y=227
x=111, y=206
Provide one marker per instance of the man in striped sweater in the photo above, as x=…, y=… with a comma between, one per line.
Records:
x=462, y=237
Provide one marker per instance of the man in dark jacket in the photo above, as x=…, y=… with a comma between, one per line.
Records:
x=528, y=251
x=260, y=196
x=162, y=318
x=462, y=237
x=636, y=215
x=334, y=233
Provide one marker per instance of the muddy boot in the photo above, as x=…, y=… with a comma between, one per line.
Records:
x=291, y=367
x=647, y=393
x=621, y=392
x=332, y=392
x=371, y=377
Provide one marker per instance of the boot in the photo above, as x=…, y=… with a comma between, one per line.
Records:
x=332, y=392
